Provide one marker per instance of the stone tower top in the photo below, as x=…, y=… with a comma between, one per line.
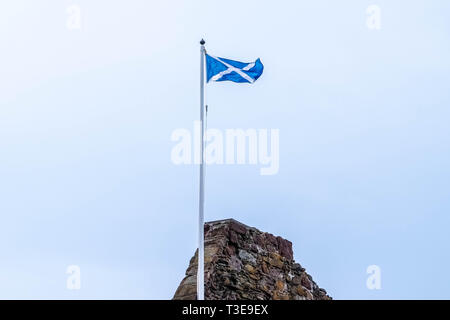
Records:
x=242, y=262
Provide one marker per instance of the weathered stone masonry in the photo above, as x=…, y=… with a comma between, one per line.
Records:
x=244, y=263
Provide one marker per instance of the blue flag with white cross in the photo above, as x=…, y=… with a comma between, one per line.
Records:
x=221, y=69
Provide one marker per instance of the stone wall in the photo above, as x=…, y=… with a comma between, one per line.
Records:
x=244, y=263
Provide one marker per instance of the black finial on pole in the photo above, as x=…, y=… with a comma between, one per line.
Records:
x=202, y=42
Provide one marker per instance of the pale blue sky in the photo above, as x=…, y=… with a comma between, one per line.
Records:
x=86, y=117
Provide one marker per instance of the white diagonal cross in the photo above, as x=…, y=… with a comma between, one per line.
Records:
x=231, y=69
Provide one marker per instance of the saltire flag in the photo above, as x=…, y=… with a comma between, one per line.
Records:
x=221, y=69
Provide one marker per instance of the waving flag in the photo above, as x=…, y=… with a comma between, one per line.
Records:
x=220, y=69
x=217, y=69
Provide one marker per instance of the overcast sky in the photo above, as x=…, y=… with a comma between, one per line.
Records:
x=86, y=116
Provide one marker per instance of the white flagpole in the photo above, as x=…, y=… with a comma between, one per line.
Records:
x=201, y=205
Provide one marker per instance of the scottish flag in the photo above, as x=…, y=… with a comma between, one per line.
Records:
x=220, y=69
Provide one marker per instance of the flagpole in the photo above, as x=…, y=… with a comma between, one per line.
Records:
x=201, y=257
